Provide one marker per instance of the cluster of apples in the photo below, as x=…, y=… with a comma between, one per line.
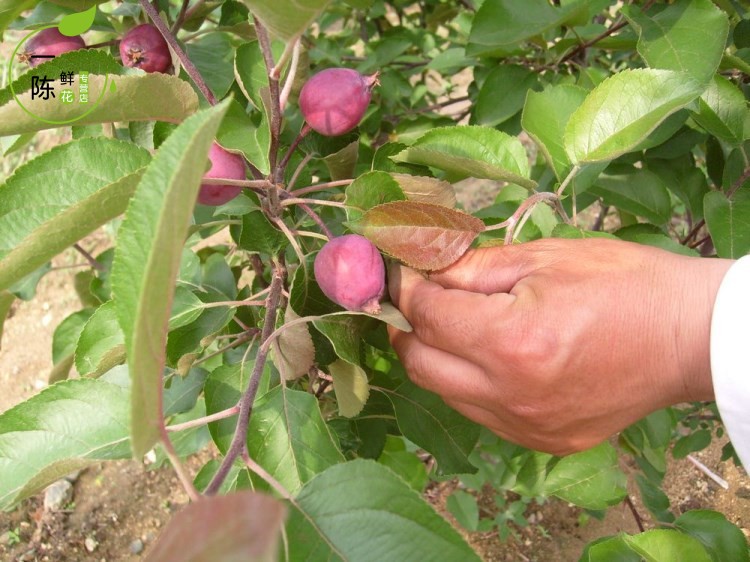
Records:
x=349, y=269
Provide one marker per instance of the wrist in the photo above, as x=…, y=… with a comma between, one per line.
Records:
x=701, y=279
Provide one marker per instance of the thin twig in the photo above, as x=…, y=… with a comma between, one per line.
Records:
x=573, y=171
x=320, y=187
x=239, y=441
x=251, y=184
x=228, y=413
x=180, y=17
x=184, y=59
x=300, y=168
x=248, y=336
x=315, y=217
x=288, y=156
x=634, y=511
x=93, y=262
x=179, y=469
x=322, y=202
x=265, y=46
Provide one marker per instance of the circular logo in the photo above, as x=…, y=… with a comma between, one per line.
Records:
x=45, y=89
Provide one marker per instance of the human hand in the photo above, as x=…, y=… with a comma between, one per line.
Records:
x=558, y=344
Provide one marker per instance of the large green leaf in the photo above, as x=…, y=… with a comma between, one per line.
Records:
x=720, y=538
x=502, y=24
x=641, y=193
x=623, y=110
x=591, y=479
x=722, y=111
x=148, y=97
x=503, y=93
x=545, y=117
x=728, y=221
x=286, y=18
x=147, y=261
x=471, y=151
x=289, y=438
x=362, y=511
x=666, y=545
x=213, y=56
x=66, y=426
x=61, y=196
x=687, y=36
x=238, y=132
x=426, y=420
x=11, y=9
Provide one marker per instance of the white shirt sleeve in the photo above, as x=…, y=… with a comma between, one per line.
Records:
x=730, y=355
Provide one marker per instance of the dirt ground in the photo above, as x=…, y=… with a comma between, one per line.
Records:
x=118, y=508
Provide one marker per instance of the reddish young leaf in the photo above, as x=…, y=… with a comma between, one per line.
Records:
x=240, y=526
x=421, y=235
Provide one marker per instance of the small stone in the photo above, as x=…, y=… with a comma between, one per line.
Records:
x=46, y=319
x=136, y=547
x=73, y=476
x=58, y=495
x=90, y=544
x=5, y=538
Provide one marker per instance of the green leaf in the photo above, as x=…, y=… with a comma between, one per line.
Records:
x=623, y=110
x=463, y=506
x=721, y=539
x=427, y=421
x=181, y=394
x=471, y=151
x=11, y=9
x=239, y=526
x=654, y=499
x=289, y=438
x=545, y=116
x=687, y=36
x=224, y=388
x=362, y=511
x=571, y=232
x=147, y=261
x=406, y=464
x=294, y=350
x=101, y=344
x=70, y=424
x=722, y=111
x=591, y=479
x=661, y=545
x=503, y=93
x=684, y=179
x=213, y=56
x=641, y=193
x=286, y=19
x=728, y=221
x=78, y=23
x=66, y=334
x=651, y=235
x=502, y=24
x=61, y=196
x=251, y=74
x=370, y=190
x=238, y=132
x=695, y=441
x=146, y=97
x=351, y=387
x=259, y=235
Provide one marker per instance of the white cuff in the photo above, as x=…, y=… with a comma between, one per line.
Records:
x=730, y=363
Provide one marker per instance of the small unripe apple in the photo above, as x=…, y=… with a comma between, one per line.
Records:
x=50, y=42
x=335, y=100
x=350, y=271
x=224, y=165
x=144, y=47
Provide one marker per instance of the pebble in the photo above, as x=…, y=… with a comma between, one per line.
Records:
x=58, y=495
x=90, y=544
x=5, y=538
x=136, y=547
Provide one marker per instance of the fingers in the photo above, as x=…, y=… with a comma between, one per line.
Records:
x=459, y=322
x=439, y=371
